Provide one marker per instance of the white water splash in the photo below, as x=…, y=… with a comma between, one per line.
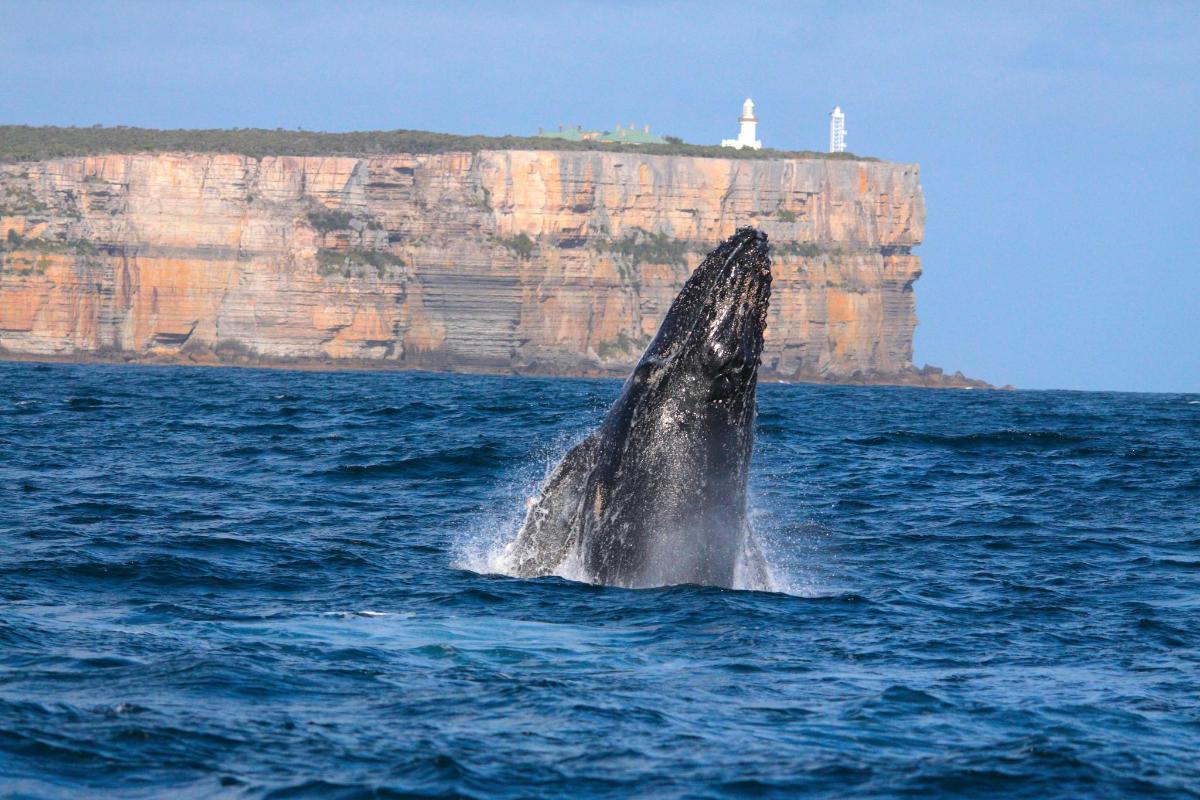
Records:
x=793, y=558
x=487, y=546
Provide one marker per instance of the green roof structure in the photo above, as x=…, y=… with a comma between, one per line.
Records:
x=571, y=134
x=630, y=135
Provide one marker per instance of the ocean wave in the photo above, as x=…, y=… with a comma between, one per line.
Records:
x=207, y=594
x=429, y=465
x=86, y=403
x=981, y=440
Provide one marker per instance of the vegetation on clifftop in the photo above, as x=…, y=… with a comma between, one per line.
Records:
x=28, y=143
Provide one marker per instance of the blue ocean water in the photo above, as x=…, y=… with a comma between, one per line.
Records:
x=258, y=583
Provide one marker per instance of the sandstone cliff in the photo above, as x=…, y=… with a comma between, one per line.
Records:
x=552, y=262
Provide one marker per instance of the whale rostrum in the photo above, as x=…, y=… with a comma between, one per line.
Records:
x=656, y=495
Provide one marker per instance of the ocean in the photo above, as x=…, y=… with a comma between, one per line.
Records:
x=267, y=583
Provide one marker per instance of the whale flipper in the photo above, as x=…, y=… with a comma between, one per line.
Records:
x=552, y=521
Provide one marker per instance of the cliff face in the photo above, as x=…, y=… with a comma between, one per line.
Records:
x=558, y=262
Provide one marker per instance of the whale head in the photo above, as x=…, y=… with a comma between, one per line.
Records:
x=709, y=346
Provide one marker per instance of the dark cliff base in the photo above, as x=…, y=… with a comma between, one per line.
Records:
x=926, y=377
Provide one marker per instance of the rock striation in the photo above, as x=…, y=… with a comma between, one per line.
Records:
x=541, y=262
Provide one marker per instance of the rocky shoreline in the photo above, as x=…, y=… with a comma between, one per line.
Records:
x=926, y=377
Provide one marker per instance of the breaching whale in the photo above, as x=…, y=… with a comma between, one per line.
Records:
x=656, y=495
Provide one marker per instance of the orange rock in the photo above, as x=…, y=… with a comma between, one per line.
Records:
x=200, y=254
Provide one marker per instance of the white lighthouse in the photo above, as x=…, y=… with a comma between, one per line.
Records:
x=837, y=130
x=746, y=132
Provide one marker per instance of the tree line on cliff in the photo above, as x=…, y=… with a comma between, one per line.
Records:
x=30, y=143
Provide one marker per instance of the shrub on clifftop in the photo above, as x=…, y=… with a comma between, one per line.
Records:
x=27, y=143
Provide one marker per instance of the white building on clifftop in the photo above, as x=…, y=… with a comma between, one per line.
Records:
x=837, y=130
x=747, y=131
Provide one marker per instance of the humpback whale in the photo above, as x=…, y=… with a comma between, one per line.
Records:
x=656, y=496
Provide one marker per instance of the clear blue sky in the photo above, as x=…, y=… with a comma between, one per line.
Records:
x=1059, y=142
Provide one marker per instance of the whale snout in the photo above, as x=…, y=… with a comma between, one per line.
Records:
x=749, y=234
x=751, y=264
x=742, y=301
x=736, y=306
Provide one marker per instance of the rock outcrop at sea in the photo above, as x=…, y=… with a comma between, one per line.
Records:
x=536, y=262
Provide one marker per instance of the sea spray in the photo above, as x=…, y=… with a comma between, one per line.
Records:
x=485, y=545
